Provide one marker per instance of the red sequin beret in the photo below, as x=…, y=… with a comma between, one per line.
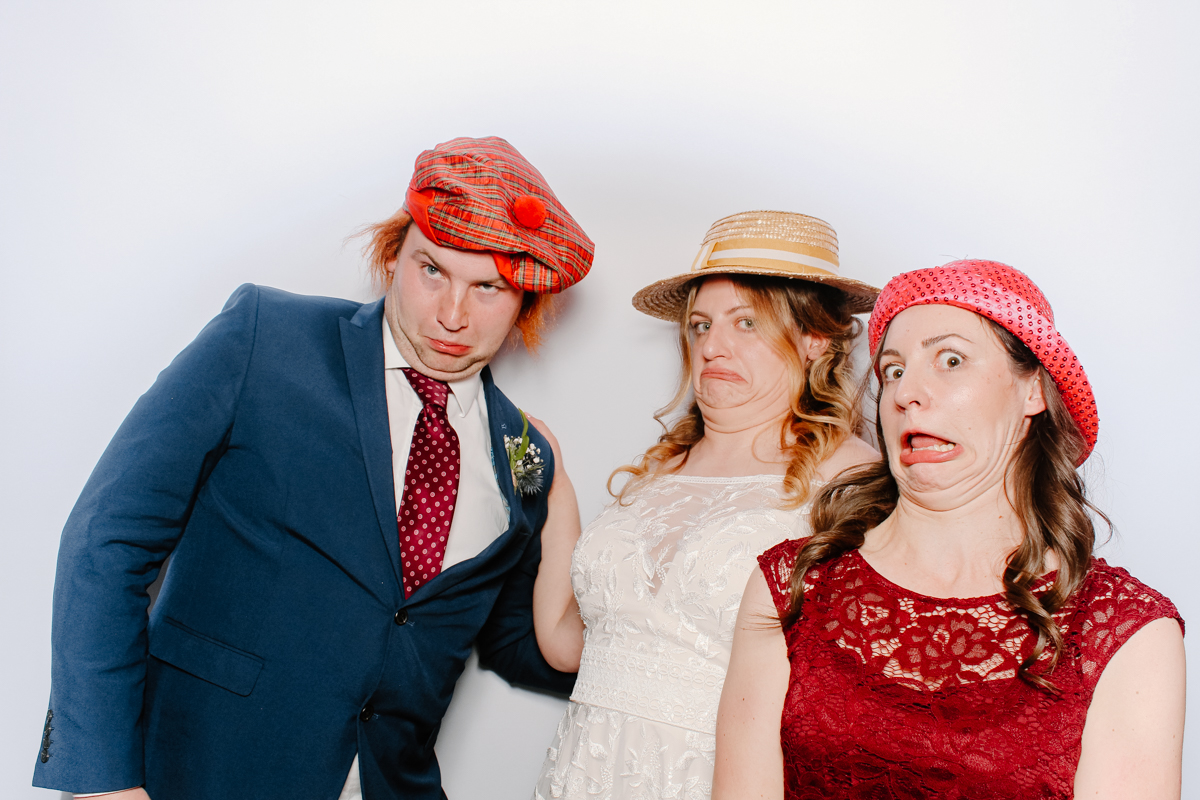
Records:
x=1007, y=297
x=481, y=194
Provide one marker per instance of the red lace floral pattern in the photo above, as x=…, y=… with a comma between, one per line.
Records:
x=898, y=695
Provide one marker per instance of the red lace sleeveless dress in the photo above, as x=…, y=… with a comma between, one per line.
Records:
x=897, y=695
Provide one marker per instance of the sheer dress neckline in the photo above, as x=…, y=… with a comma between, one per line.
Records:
x=659, y=579
x=894, y=694
x=725, y=479
x=1040, y=585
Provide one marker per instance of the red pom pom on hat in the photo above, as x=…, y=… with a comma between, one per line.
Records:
x=529, y=211
x=481, y=194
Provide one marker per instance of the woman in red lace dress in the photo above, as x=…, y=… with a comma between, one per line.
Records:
x=946, y=632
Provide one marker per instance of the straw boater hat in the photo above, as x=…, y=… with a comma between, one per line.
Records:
x=774, y=243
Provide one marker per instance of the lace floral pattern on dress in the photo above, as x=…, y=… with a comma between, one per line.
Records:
x=897, y=695
x=601, y=753
x=659, y=581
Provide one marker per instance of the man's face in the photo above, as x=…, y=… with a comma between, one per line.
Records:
x=449, y=310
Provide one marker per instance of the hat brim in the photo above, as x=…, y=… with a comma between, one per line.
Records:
x=667, y=299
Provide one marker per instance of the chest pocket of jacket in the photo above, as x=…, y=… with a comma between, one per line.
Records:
x=204, y=657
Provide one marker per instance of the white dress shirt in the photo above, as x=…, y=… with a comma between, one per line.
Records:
x=480, y=514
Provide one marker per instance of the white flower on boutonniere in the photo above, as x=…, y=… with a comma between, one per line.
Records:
x=525, y=461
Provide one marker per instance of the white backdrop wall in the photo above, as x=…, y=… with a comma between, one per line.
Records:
x=154, y=156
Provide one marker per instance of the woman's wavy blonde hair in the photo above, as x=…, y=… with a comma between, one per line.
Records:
x=824, y=411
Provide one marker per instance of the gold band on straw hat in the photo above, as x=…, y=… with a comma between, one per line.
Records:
x=773, y=243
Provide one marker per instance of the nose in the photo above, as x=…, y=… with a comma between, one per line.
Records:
x=452, y=309
x=909, y=389
x=716, y=343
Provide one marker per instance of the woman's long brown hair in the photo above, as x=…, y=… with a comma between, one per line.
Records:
x=823, y=409
x=1046, y=491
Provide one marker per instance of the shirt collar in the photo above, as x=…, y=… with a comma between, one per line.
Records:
x=466, y=392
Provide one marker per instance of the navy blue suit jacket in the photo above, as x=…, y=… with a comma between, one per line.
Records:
x=281, y=642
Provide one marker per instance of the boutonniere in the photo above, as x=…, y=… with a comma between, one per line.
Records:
x=525, y=460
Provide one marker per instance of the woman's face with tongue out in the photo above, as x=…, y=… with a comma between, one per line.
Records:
x=953, y=409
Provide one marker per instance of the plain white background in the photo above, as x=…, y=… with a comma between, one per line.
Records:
x=154, y=156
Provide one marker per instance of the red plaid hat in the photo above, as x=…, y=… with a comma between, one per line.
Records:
x=481, y=194
x=1007, y=297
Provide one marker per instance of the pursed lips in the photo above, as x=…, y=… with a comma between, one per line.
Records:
x=449, y=348
x=719, y=374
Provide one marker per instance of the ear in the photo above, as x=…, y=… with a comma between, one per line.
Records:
x=813, y=346
x=389, y=273
x=1035, y=401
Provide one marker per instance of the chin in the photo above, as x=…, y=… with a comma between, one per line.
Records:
x=451, y=365
x=720, y=400
x=446, y=364
x=925, y=474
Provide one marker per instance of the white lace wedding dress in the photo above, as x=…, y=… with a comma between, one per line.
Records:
x=658, y=583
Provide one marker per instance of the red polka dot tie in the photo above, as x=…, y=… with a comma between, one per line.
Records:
x=430, y=486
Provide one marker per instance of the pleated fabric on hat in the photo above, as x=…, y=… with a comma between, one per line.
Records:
x=1009, y=298
x=481, y=194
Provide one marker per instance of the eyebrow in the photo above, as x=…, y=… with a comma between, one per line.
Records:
x=927, y=343
x=932, y=340
x=429, y=255
x=733, y=310
x=496, y=281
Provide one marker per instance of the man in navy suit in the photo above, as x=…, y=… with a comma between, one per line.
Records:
x=349, y=504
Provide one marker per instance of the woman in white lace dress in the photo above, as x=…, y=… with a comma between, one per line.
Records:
x=643, y=602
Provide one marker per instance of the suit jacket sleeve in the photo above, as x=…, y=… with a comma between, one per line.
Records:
x=507, y=644
x=128, y=519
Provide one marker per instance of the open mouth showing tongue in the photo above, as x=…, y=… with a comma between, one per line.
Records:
x=921, y=448
x=922, y=441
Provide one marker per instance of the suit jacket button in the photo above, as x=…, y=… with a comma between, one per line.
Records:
x=401, y=616
x=367, y=712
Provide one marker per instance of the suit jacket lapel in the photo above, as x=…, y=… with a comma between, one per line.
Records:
x=362, y=345
x=500, y=424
